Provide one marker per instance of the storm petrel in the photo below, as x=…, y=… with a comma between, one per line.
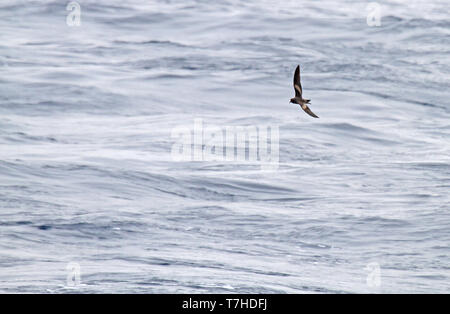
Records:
x=298, y=99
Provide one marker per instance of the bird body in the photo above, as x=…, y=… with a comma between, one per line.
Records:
x=298, y=99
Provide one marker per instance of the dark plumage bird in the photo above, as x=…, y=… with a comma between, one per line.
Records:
x=298, y=99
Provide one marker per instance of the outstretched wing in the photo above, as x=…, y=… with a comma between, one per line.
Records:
x=308, y=111
x=297, y=84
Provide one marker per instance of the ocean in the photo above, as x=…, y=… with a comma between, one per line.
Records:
x=95, y=196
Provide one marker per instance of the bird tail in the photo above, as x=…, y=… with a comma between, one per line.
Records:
x=307, y=101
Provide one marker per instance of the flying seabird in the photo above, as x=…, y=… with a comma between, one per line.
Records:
x=298, y=94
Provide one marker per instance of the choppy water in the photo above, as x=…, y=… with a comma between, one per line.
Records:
x=87, y=176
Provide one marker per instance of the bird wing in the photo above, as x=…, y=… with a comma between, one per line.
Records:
x=308, y=111
x=297, y=84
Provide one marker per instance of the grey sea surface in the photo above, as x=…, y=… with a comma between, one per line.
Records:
x=92, y=200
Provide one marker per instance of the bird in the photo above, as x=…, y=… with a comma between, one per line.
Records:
x=298, y=99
